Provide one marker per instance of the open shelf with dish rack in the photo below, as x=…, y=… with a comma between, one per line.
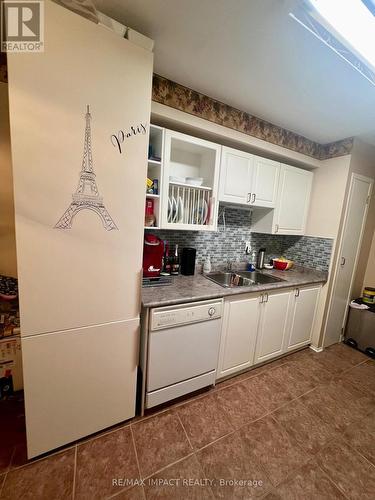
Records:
x=155, y=172
x=190, y=183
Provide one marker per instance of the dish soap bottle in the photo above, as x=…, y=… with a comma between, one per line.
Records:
x=251, y=263
x=207, y=265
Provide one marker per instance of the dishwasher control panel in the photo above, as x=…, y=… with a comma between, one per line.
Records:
x=166, y=317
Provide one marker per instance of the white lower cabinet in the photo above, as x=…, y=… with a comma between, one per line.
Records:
x=302, y=313
x=272, y=325
x=239, y=331
x=258, y=327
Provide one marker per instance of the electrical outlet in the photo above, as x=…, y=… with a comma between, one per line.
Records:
x=247, y=247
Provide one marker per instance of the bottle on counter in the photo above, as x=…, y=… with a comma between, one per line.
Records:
x=252, y=262
x=166, y=269
x=207, y=265
x=175, y=266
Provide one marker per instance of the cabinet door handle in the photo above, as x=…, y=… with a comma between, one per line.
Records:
x=343, y=261
x=296, y=293
x=254, y=196
x=248, y=197
x=262, y=298
x=266, y=294
x=276, y=228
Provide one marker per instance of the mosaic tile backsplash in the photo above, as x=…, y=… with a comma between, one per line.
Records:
x=229, y=243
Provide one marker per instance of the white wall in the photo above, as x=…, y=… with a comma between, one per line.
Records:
x=8, y=260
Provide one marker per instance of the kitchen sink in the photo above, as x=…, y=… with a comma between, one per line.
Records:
x=241, y=278
x=229, y=280
x=258, y=277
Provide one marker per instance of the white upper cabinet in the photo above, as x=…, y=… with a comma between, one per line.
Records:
x=190, y=183
x=279, y=193
x=291, y=207
x=247, y=179
x=293, y=200
x=265, y=182
x=236, y=173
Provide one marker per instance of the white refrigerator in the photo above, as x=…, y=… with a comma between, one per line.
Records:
x=79, y=117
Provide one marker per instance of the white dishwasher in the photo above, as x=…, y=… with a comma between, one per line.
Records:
x=183, y=349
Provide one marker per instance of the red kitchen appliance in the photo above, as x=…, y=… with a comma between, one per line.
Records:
x=153, y=251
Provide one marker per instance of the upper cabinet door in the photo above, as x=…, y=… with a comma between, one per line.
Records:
x=235, y=176
x=190, y=183
x=265, y=182
x=293, y=200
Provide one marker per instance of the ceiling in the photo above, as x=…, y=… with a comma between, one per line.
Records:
x=251, y=55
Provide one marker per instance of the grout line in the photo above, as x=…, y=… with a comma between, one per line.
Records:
x=125, y=489
x=135, y=451
x=332, y=481
x=45, y=457
x=3, y=482
x=218, y=439
x=102, y=433
x=204, y=475
x=122, y=490
x=186, y=434
x=74, y=472
x=311, y=456
x=169, y=465
x=143, y=492
x=11, y=458
x=357, y=451
x=270, y=368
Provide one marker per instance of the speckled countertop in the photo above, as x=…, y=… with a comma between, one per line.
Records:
x=193, y=288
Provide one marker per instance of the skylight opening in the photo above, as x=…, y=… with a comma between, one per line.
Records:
x=352, y=22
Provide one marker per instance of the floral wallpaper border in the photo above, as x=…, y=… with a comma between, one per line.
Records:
x=190, y=101
x=184, y=99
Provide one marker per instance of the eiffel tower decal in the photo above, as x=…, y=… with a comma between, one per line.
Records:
x=86, y=196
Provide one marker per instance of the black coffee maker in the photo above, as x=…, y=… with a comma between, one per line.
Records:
x=187, y=267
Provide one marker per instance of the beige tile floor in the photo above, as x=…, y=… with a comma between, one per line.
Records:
x=299, y=428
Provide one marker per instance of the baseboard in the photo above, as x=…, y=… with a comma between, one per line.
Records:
x=316, y=349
